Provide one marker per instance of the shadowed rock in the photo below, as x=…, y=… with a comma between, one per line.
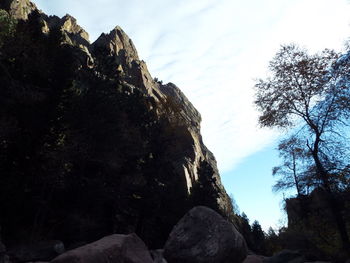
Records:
x=203, y=236
x=286, y=256
x=44, y=250
x=158, y=256
x=110, y=249
x=167, y=152
x=254, y=259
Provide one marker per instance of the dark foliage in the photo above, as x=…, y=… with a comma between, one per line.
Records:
x=203, y=192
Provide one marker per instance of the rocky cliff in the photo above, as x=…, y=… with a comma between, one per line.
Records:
x=311, y=225
x=91, y=143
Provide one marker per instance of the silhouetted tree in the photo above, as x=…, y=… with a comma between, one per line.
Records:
x=296, y=170
x=245, y=229
x=258, y=238
x=235, y=207
x=203, y=191
x=305, y=91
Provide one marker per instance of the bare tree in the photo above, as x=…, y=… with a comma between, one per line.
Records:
x=311, y=92
x=296, y=169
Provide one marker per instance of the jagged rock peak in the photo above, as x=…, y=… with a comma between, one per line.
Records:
x=190, y=113
x=19, y=9
x=67, y=24
x=70, y=25
x=116, y=41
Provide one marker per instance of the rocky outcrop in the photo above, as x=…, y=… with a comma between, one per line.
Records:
x=120, y=47
x=106, y=134
x=110, y=249
x=300, y=207
x=73, y=34
x=203, y=236
x=117, y=43
x=19, y=9
x=125, y=61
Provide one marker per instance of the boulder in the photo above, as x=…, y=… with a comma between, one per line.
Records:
x=2, y=248
x=110, y=249
x=4, y=259
x=40, y=251
x=254, y=259
x=203, y=236
x=158, y=256
x=286, y=256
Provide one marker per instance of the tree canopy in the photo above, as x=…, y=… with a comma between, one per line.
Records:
x=311, y=94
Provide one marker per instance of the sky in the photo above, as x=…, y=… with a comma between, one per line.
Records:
x=214, y=50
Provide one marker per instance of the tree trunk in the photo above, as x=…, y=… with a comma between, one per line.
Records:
x=332, y=202
x=296, y=181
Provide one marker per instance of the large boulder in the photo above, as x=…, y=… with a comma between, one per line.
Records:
x=2, y=248
x=37, y=251
x=254, y=259
x=203, y=236
x=286, y=256
x=2, y=253
x=158, y=256
x=110, y=249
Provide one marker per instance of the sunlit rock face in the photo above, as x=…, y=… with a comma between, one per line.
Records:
x=155, y=164
x=19, y=9
x=189, y=153
x=117, y=45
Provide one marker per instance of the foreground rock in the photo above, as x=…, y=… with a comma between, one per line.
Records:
x=254, y=259
x=157, y=256
x=203, y=236
x=286, y=256
x=110, y=249
x=3, y=256
x=43, y=251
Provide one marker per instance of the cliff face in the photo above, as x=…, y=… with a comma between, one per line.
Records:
x=18, y=9
x=124, y=152
x=311, y=225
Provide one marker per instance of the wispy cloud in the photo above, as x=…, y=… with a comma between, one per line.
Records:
x=213, y=50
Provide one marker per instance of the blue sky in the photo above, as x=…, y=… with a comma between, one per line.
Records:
x=213, y=50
